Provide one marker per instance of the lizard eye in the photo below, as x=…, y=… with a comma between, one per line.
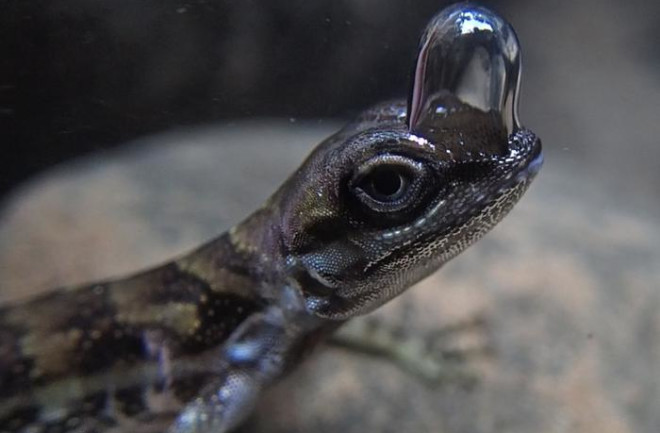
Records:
x=389, y=183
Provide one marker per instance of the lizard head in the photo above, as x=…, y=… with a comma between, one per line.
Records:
x=394, y=195
x=369, y=215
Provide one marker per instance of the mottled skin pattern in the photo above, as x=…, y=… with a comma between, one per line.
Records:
x=195, y=340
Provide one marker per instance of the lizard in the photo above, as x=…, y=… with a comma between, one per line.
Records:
x=189, y=345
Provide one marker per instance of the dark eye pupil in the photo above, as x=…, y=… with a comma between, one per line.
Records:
x=386, y=182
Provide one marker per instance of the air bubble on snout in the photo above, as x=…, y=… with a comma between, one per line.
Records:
x=472, y=54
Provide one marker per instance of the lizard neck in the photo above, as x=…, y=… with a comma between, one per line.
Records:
x=247, y=259
x=251, y=261
x=258, y=239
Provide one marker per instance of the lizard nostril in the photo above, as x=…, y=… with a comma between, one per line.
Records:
x=535, y=165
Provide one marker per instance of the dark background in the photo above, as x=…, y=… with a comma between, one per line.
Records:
x=78, y=76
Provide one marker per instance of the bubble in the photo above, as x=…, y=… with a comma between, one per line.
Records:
x=468, y=55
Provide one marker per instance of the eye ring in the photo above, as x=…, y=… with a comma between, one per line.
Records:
x=389, y=184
